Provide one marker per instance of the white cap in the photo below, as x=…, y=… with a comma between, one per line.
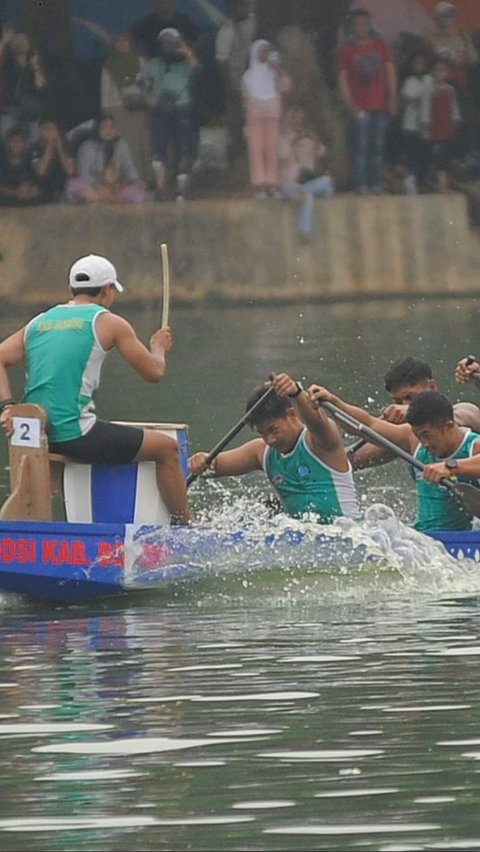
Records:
x=93, y=271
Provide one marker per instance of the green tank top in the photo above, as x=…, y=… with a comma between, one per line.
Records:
x=437, y=509
x=63, y=364
x=305, y=484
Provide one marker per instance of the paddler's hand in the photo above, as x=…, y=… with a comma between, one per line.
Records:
x=198, y=464
x=319, y=394
x=464, y=370
x=395, y=414
x=6, y=422
x=162, y=339
x=284, y=385
x=435, y=472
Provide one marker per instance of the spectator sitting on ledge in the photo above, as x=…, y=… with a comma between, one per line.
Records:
x=52, y=160
x=300, y=173
x=105, y=169
x=18, y=182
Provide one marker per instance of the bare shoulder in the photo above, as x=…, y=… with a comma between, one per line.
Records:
x=111, y=327
x=467, y=414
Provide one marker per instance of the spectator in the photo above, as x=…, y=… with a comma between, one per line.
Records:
x=18, y=183
x=122, y=98
x=106, y=171
x=24, y=84
x=168, y=79
x=416, y=150
x=232, y=50
x=368, y=87
x=300, y=175
x=52, y=161
x=450, y=43
x=440, y=120
x=262, y=87
x=164, y=15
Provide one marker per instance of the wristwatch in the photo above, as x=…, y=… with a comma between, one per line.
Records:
x=452, y=465
x=299, y=390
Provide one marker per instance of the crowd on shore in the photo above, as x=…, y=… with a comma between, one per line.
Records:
x=413, y=109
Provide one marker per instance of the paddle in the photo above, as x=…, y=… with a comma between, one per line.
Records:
x=166, y=284
x=233, y=432
x=467, y=494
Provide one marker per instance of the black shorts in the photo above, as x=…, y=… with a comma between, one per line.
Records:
x=104, y=443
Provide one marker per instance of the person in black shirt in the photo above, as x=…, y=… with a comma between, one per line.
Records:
x=52, y=161
x=164, y=14
x=18, y=182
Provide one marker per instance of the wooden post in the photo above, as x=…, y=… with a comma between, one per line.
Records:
x=30, y=497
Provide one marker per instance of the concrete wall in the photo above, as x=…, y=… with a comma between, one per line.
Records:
x=244, y=250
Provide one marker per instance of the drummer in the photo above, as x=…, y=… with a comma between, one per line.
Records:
x=300, y=450
x=63, y=350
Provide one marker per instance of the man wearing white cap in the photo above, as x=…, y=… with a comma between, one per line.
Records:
x=64, y=349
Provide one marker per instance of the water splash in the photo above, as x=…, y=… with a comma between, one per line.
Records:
x=242, y=550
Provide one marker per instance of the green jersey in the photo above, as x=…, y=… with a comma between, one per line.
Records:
x=63, y=364
x=437, y=509
x=306, y=484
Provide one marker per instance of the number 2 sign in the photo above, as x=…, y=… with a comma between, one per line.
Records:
x=26, y=432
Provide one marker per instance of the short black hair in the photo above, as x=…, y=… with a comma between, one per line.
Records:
x=273, y=407
x=407, y=371
x=429, y=407
x=15, y=131
x=86, y=291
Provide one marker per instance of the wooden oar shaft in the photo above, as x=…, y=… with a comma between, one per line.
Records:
x=232, y=433
x=166, y=284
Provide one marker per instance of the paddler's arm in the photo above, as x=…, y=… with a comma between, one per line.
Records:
x=12, y=351
x=401, y=435
x=369, y=455
x=321, y=428
x=244, y=459
x=114, y=331
x=465, y=467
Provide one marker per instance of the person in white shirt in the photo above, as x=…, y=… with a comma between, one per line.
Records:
x=417, y=151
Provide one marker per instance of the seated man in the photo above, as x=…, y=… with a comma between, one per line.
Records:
x=63, y=350
x=405, y=379
x=433, y=437
x=299, y=449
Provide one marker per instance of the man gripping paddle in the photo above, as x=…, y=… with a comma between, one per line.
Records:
x=299, y=449
x=63, y=350
x=432, y=437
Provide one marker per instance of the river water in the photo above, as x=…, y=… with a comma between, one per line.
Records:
x=276, y=702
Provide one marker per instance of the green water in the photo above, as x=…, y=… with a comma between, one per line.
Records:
x=269, y=708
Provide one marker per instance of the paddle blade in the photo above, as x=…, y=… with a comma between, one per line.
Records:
x=469, y=496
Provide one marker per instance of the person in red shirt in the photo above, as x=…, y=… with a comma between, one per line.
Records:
x=368, y=87
x=440, y=117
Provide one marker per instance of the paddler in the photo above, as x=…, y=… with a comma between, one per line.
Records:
x=63, y=350
x=433, y=437
x=300, y=450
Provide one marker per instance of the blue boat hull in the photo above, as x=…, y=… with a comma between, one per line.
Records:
x=73, y=563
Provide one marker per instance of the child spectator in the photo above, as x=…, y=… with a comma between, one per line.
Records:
x=52, y=161
x=300, y=175
x=368, y=86
x=440, y=119
x=105, y=168
x=416, y=149
x=262, y=87
x=122, y=98
x=168, y=81
x=19, y=186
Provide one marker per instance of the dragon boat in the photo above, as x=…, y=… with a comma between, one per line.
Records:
x=116, y=537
